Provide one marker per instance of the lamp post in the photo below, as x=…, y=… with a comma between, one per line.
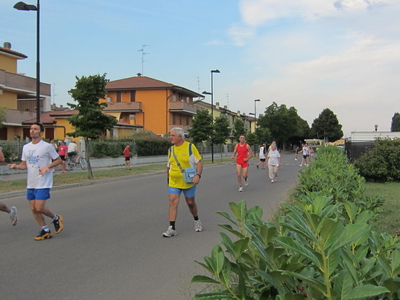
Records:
x=28, y=7
x=212, y=110
x=255, y=112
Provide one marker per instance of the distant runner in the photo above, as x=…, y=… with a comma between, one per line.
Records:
x=244, y=153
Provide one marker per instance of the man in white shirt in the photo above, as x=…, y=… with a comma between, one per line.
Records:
x=39, y=158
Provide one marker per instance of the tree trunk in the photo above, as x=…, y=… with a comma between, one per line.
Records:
x=87, y=154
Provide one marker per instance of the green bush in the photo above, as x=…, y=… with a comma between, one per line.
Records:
x=382, y=163
x=323, y=246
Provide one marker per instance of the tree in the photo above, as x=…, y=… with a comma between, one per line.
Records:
x=221, y=131
x=238, y=128
x=3, y=116
x=263, y=135
x=251, y=139
x=90, y=122
x=326, y=126
x=395, y=123
x=202, y=128
x=283, y=123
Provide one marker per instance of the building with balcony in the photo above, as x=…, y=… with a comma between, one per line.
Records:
x=18, y=94
x=155, y=105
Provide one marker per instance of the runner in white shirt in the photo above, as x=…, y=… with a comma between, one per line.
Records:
x=37, y=159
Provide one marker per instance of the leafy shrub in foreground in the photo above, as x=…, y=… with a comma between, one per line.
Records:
x=381, y=163
x=314, y=253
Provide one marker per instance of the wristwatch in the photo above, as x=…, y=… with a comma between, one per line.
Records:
x=198, y=175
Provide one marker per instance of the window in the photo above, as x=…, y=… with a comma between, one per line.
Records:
x=133, y=96
x=118, y=96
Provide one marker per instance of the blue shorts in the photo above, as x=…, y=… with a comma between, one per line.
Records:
x=190, y=192
x=38, y=194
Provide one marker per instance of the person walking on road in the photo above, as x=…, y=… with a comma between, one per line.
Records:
x=12, y=211
x=261, y=156
x=62, y=152
x=273, y=162
x=127, y=155
x=37, y=159
x=182, y=155
x=244, y=153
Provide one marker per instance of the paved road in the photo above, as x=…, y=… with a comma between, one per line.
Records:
x=112, y=248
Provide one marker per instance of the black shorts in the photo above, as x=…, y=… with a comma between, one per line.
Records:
x=127, y=158
x=73, y=153
x=62, y=157
x=262, y=159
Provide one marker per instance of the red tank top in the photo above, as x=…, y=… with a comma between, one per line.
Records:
x=242, y=151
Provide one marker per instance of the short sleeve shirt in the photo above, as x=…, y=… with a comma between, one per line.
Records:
x=273, y=156
x=187, y=161
x=36, y=157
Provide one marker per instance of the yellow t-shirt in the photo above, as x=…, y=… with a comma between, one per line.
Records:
x=182, y=154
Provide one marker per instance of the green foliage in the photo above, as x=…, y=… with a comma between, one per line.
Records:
x=324, y=246
x=263, y=135
x=381, y=163
x=326, y=126
x=151, y=147
x=221, y=130
x=238, y=128
x=283, y=123
x=395, y=123
x=90, y=122
x=3, y=116
x=202, y=128
x=11, y=150
x=251, y=139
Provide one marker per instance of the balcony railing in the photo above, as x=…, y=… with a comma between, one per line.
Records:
x=124, y=106
x=182, y=107
x=19, y=82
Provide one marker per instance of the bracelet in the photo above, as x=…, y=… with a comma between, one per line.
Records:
x=198, y=175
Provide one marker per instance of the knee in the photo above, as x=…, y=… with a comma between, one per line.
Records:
x=191, y=203
x=36, y=209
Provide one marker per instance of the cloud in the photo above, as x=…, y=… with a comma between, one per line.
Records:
x=240, y=34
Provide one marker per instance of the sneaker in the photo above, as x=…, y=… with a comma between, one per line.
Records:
x=58, y=224
x=246, y=182
x=240, y=189
x=295, y=159
x=272, y=181
x=257, y=166
x=198, y=226
x=301, y=165
x=43, y=235
x=13, y=215
x=170, y=232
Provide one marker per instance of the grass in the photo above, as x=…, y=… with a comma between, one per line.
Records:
x=389, y=218
x=79, y=177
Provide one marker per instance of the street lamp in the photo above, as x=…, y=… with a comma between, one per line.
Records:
x=212, y=110
x=255, y=112
x=28, y=7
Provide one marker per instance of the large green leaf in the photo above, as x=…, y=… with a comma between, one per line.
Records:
x=204, y=279
x=364, y=217
x=334, y=259
x=351, y=210
x=316, y=284
x=214, y=296
x=343, y=285
x=240, y=246
x=225, y=274
x=227, y=242
x=330, y=231
x=368, y=290
x=299, y=248
x=392, y=285
x=218, y=258
x=228, y=217
x=351, y=233
x=231, y=230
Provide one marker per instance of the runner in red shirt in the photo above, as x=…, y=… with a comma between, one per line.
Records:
x=244, y=153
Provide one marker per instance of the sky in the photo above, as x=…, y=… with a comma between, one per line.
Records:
x=309, y=54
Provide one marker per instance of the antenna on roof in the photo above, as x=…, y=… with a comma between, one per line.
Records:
x=143, y=54
x=227, y=100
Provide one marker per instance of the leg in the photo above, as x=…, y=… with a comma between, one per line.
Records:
x=245, y=171
x=239, y=175
x=173, y=206
x=192, y=206
x=271, y=172
x=39, y=209
x=4, y=208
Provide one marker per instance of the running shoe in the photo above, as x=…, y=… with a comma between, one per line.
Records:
x=301, y=165
x=43, y=235
x=246, y=182
x=240, y=189
x=58, y=224
x=13, y=215
x=272, y=181
x=257, y=166
x=198, y=226
x=170, y=232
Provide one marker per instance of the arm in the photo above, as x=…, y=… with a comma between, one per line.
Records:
x=167, y=175
x=21, y=166
x=250, y=153
x=234, y=152
x=46, y=169
x=199, y=170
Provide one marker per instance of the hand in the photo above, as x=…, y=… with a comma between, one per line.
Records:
x=196, y=179
x=13, y=166
x=44, y=170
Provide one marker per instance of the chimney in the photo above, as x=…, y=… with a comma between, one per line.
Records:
x=226, y=106
x=139, y=74
x=216, y=105
x=7, y=45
